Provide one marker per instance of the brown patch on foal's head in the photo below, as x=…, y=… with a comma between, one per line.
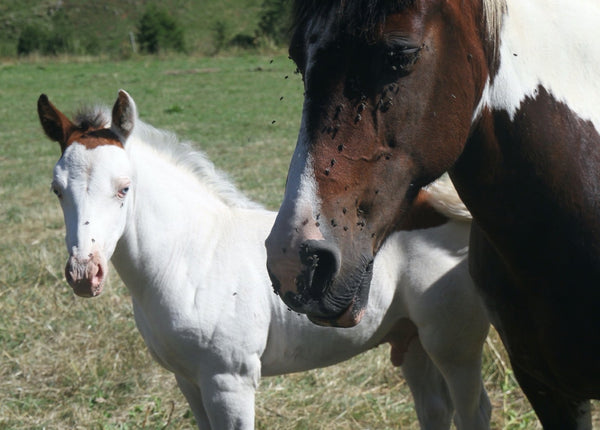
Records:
x=90, y=128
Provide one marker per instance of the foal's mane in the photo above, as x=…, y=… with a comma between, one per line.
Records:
x=181, y=154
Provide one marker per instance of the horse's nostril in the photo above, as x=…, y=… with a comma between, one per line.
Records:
x=321, y=261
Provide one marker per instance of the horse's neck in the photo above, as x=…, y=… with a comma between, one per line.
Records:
x=549, y=45
x=170, y=214
x=529, y=166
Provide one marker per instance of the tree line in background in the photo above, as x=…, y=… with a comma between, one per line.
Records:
x=157, y=31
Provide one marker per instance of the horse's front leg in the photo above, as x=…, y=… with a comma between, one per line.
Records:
x=194, y=398
x=453, y=336
x=461, y=370
x=553, y=408
x=228, y=396
x=432, y=401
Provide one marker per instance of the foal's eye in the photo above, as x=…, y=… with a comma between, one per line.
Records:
x=123, y=192
x=56, y=191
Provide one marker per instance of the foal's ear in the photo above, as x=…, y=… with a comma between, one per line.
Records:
x=55, y=124
x=124, y=114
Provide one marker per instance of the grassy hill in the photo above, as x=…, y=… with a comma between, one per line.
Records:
x=105, y=26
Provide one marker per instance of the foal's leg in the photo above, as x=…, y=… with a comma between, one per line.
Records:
x=229, y=400
x=194, y=398
x=459, y=361
x=554, y=410
x=453, y=326
x=228, y=392
x=432, y=400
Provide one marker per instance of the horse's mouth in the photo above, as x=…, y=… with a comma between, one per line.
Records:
x=86, y=279
x=348, y=318
x=353, y=313
x=86, y=289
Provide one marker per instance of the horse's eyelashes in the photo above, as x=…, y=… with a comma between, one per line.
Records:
x=56, y=191
x=400, y=57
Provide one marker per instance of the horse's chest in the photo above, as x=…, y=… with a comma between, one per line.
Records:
x=176, y=347
x=548, y=324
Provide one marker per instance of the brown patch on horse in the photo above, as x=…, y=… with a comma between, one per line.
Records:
x=399, y=338
x=93, y=139
x=61, y=129
x=532, y=189
x=422, y=214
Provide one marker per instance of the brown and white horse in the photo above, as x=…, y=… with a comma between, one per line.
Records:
x=505, y=95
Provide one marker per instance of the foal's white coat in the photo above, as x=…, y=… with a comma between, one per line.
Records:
x=190, y=249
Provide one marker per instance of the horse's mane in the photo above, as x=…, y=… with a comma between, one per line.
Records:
x=182, y=154
x=493, y=14
x=444, y=198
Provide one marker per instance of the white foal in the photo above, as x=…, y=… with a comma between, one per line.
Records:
x=190, y=249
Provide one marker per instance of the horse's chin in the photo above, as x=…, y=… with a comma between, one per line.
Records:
x=87, y=289
x=348, y=318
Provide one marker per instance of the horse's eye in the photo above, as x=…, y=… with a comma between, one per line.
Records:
x=57, y=192
x=123, y=192
x=400, y=57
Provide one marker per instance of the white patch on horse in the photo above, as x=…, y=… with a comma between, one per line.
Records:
x=549, y=44
x=302, y=198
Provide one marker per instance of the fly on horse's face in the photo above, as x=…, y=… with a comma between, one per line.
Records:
x=388, y=106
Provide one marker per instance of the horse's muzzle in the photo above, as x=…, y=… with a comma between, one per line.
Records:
x=317, y=288
x=86, y=276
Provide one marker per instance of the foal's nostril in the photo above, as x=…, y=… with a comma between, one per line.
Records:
x=321, y=261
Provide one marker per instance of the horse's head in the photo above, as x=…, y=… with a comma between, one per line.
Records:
x=92, y=180
x=390, y=93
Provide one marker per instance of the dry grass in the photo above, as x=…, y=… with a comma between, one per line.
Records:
x=67, y=362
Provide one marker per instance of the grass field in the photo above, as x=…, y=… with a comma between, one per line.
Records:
x=68, y=362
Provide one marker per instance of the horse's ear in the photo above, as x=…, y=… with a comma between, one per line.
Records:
x=55, y=124
x=124, y=114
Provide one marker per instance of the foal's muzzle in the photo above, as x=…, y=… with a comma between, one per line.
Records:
x=86, y=276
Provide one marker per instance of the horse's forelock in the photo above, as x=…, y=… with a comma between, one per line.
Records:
x=364, y=17
x=92, y=118
x=356, y=17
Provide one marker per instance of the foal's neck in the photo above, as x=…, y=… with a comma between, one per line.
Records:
x=170, y=215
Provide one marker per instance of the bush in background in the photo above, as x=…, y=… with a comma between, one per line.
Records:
x=32, y=39
x=274, y=21
x=122, y=28
x=158, y=31
x=54, y=37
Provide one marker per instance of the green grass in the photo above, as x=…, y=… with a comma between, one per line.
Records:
x=68, y=362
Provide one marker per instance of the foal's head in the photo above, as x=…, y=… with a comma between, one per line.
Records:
x=92, y=180
x=390, y=90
